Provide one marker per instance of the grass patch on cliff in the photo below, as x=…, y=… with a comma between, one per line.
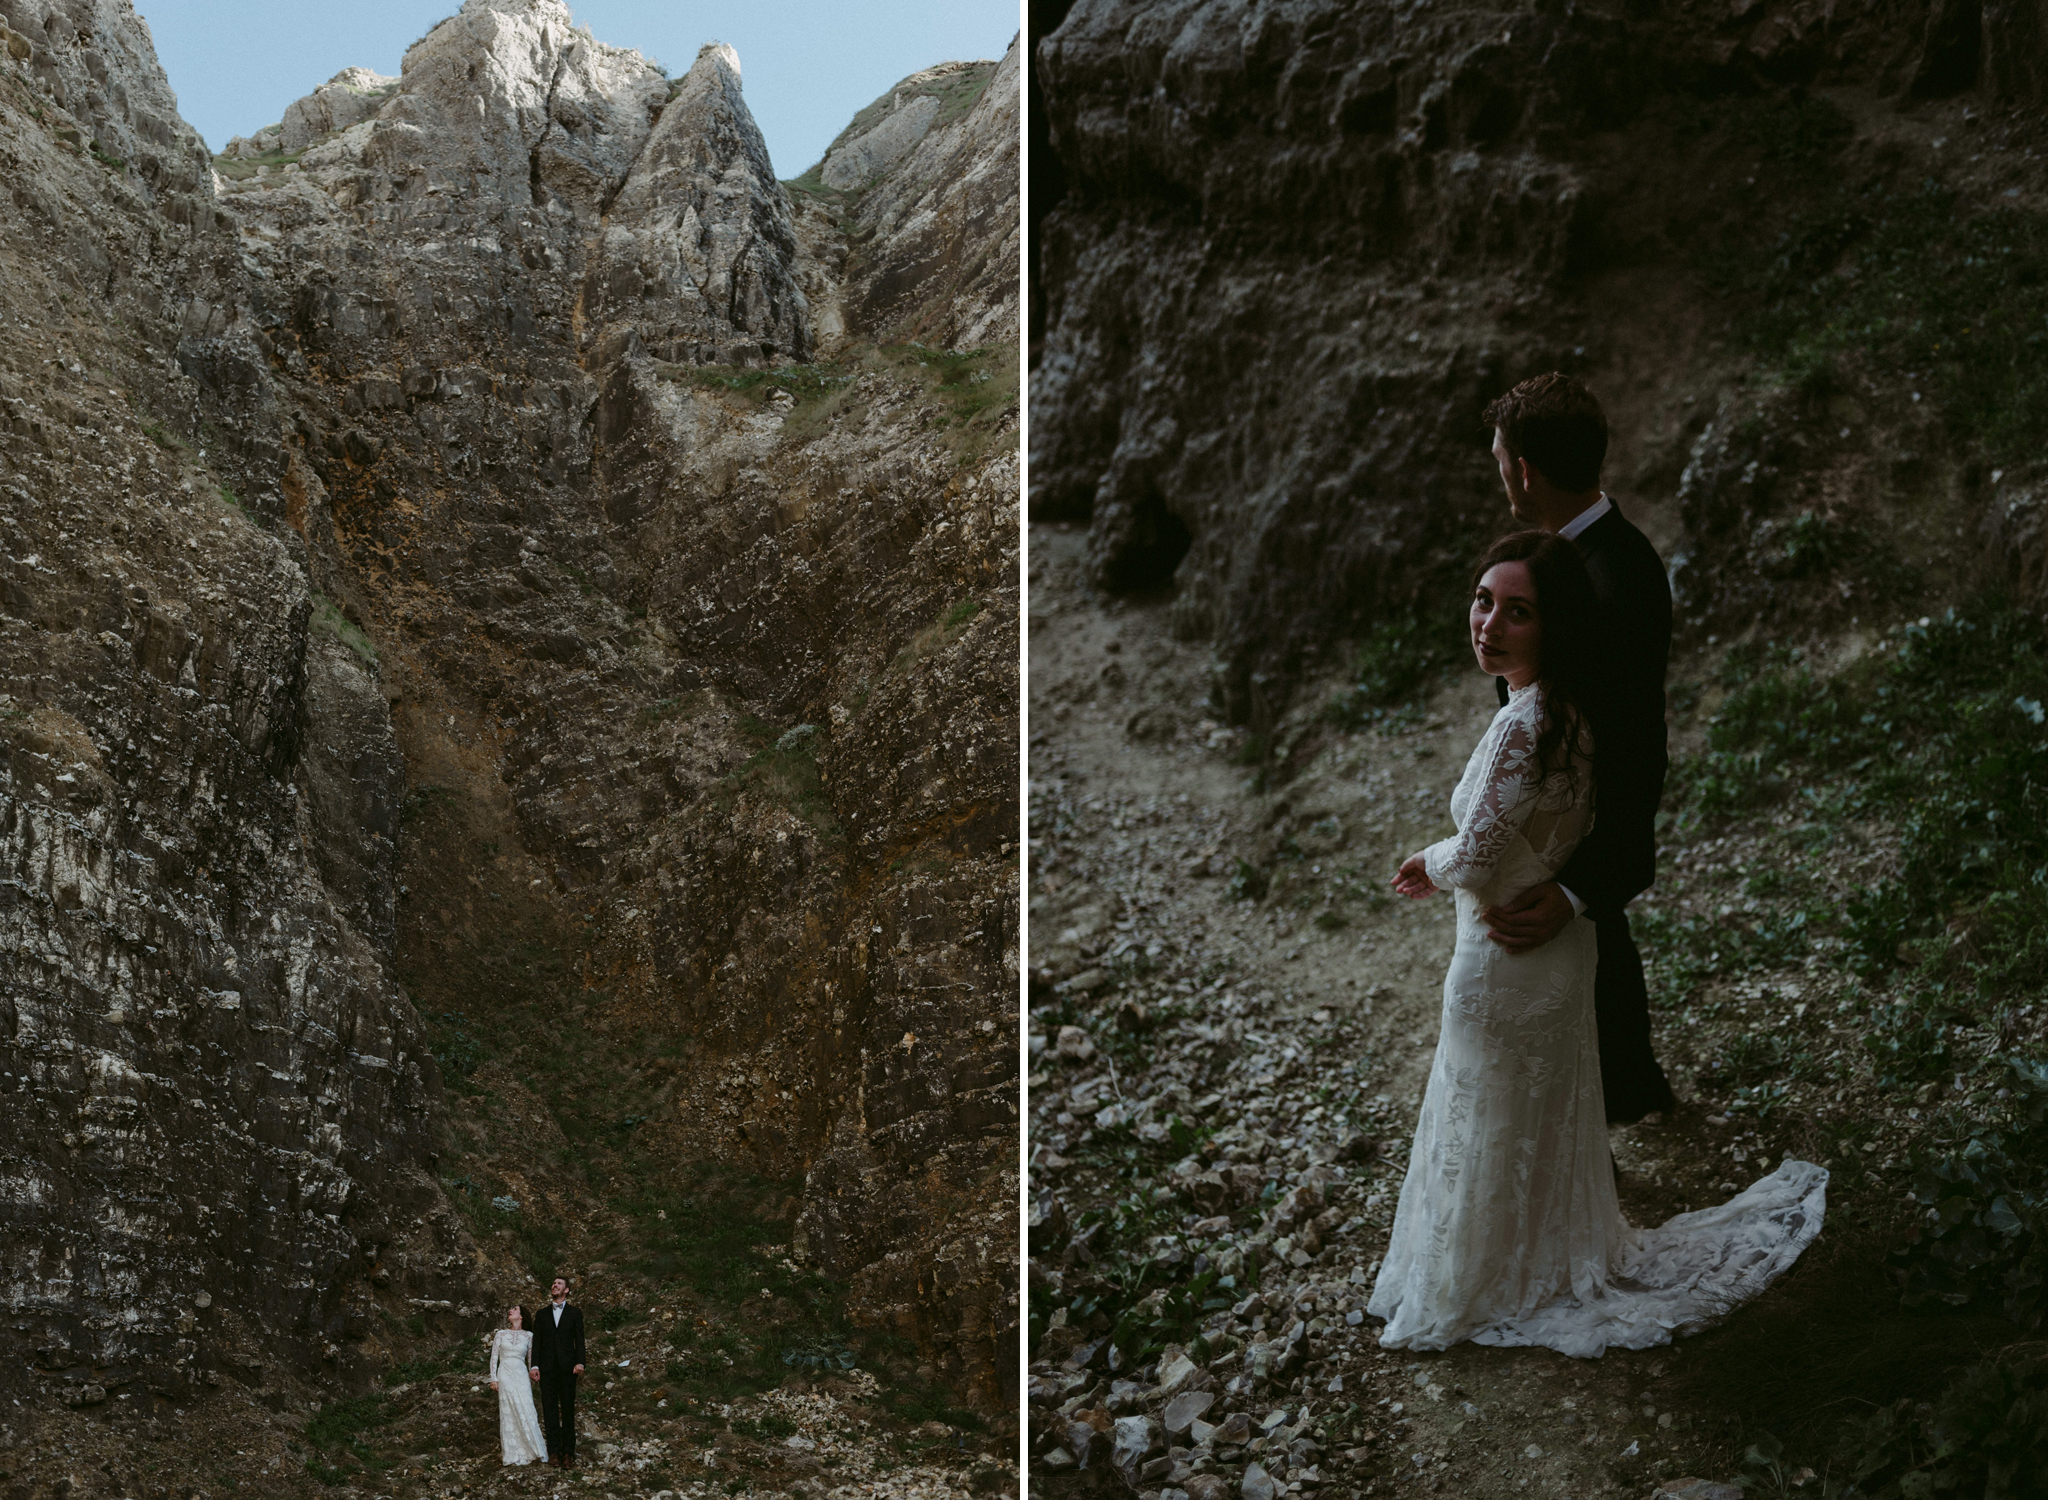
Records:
x=1396, y=666
x=1917, y=281
x=348, y=1425
x=784, y=771
x=977, y=389
x=242, y=168
x=935, y=637
x=819, y=391
x=328, y=619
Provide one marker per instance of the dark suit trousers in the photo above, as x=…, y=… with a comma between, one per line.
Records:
x=1633, y=1083
x=558, y=1412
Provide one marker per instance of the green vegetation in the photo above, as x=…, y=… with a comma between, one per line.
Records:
x=1863, y=277
x=347, y=1425
x=1396, y=666
x=687, y=705
x=329, y=620
x=425, y=801
x=242, y=168
x=784, y=771
x=415, y=1371
x=977, y=387
x=1931, y=748
x=1985, y=1235
x=1938, y=733
x=165, y=439
x=935, y=637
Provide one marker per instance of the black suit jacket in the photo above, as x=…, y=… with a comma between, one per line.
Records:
x=1618, y=860
x=559, y=1350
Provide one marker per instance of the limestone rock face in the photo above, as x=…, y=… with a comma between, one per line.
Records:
x=94, y=59
x=938, y=228
x=351, y=95
x=856, y=163
x=460, y=474
x=219, y=1096
x=699, y=251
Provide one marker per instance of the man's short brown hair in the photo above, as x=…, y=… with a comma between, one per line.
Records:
x=1556, y=423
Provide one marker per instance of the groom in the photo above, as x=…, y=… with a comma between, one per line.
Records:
x=1550, y=438
x=557, y=1361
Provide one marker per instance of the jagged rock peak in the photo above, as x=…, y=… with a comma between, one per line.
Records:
x=509, y=99
x=351, y=95
x=96, y=60
x=700, y=246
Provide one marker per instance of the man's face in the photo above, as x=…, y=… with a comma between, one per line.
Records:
x=1511, y=477
x=559, y=1290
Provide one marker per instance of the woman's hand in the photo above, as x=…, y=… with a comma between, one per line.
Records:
x=494, y=1385
x=1412, y=879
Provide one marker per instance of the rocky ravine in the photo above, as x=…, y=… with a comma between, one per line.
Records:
x=488, y=658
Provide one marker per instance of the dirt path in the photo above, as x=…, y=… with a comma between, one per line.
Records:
x=1219, y=1079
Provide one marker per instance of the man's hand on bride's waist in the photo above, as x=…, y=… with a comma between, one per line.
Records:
x=1531, y=919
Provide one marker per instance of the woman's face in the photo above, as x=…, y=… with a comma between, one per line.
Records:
x=512, y=1317
x=1507, y=632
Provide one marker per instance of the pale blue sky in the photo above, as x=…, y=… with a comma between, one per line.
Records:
x=807, y=65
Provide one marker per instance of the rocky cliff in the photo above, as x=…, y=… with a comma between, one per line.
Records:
x=1289, y=252
x=455, y=633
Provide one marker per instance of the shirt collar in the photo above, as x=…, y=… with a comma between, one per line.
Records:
x=1578, y=523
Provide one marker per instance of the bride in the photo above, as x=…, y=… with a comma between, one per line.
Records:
x=518, y=1427
x=1508, y=1229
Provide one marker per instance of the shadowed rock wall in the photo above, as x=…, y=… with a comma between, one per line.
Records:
x=1297, y=247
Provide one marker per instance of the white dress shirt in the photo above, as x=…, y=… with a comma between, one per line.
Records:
x=1570, y=532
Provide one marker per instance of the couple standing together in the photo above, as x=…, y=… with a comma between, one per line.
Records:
x=1509, y=1230
x=548, y=1355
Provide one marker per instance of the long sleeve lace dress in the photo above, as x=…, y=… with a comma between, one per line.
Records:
x=1508, y=1230
x=518, y=1426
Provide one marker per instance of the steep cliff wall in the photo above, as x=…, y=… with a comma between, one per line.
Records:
x=922, y=187
x=423, y=540
x=218, y=1090
x=1298, y=247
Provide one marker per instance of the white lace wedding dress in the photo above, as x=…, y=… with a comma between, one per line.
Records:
x=518, y=1425
x=1508, y=1230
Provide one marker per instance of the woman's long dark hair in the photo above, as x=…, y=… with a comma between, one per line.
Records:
x=1570, y=615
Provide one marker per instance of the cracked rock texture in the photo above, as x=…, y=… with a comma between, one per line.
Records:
x=929, y=175
x=1289, y=252
x=392, y=476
